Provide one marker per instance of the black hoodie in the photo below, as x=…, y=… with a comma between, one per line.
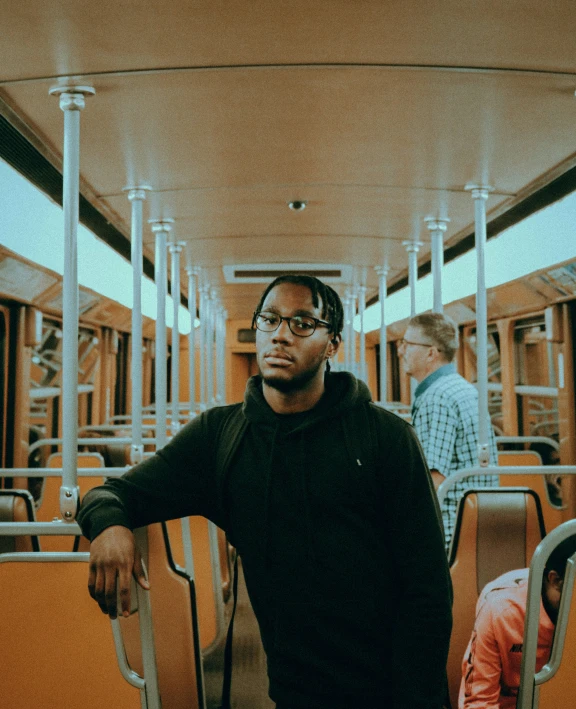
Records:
x=343, y=555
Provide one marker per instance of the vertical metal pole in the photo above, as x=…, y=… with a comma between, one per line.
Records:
x=223, y=319
x=161, y=229
x=220, y=355
x=136, y=195
x=203, y=339
x=480, y=195
x=72, y=101
x=412, y=247
x=212, y=304
x=192, y=338
x=353, y=363
x=347, y=331
x=382, y=272
x=363, y=373
x=437, y=227
x=175, y=250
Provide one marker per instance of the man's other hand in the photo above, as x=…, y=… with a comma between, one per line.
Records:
x=113, y=561
x=437, y=478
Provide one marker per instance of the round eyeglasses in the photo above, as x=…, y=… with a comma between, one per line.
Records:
x=405, y=343
x=300, y=325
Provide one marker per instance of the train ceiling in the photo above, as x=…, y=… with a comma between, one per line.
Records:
x=377, y=114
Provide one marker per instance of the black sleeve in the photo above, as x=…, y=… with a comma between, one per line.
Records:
x=179, y=480
x=422, y=576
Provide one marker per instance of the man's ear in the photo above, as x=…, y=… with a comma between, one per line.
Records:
x=334, y=345
x=554, y=579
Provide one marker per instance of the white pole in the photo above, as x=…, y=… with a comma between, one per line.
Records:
x=192, y=338
x=347, y=331
x=72, y=101
x=175, y=250
x=437, y=227
x=136, y=195
x=412, y=247
x=382, y=272
x=210, y=348
x=203, y=339
x=353, y=363
x=221, y=355
x=363, y=374
x=480, y=195
x=161, y=228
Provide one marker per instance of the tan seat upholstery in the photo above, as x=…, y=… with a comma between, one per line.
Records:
x=497, y=530
x=56, y=647
x=552, y=514
x=17, y=506
x=176, y=637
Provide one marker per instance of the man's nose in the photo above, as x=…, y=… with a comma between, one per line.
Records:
x=283, y=333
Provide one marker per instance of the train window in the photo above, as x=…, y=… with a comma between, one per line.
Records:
x=246, y=334
x=3, y=381
x=536, y=360
x=469, y=343
x=469, y=350
x=46, y=367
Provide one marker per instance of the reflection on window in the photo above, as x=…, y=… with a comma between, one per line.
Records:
x=469, y=344
x=536, y=364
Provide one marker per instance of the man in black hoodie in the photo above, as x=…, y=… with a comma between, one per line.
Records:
x=340, y=538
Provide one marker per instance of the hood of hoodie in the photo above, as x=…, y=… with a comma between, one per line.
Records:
x=342, y=391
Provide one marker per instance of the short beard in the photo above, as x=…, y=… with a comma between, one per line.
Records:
x=297, y=383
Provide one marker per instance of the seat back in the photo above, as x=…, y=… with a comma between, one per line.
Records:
x=17, y=506
x=56, y=647
x=175, y=622
x=552, y=513
x=497, y=530
x=203, y=573
x=49, y=503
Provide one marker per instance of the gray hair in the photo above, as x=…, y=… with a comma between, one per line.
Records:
x=439, y=329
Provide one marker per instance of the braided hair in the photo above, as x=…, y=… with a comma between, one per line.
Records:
x=332, y=310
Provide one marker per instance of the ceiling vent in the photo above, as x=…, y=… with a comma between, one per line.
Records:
x=266, y=272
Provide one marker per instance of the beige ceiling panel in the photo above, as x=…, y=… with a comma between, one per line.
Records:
x=424, y=129
x=342, y=210
x=303, y=248
x=71, y=37
x=372, y=149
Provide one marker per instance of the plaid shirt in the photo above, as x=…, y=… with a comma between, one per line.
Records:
x=445, y=416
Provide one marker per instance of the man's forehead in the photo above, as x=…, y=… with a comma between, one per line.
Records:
x=292, y=296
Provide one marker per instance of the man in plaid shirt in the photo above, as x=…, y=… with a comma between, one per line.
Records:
x=445, y=408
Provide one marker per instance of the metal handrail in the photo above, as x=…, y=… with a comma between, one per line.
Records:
x=529, y=439
x=52, y=472
x=450, y=482
x=114, y=427
x=528, y=679
x=104, y=441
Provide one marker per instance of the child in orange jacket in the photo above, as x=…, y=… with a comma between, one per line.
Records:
x=491, y=666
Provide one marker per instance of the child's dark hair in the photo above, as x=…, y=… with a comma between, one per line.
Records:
x=332, y=310
x=559, y=557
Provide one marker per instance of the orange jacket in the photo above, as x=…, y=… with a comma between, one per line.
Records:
x=491, y=666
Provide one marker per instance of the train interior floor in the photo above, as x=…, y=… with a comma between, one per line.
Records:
x=249, y=680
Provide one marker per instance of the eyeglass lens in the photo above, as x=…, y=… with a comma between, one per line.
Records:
x=299, y=325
